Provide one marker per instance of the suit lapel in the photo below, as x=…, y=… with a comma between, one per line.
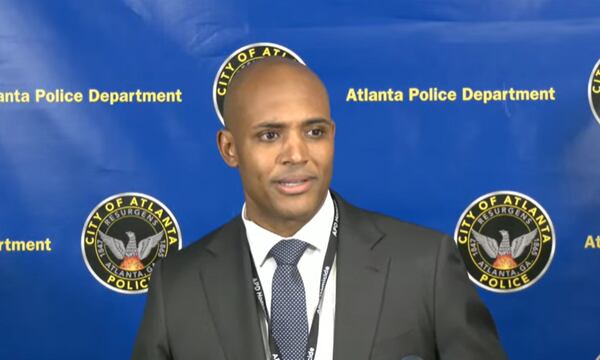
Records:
x=226, y=278
x=361, y=276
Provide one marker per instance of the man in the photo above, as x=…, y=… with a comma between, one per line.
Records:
x=394, y=290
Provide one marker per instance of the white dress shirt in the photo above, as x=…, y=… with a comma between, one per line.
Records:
x=316, y=233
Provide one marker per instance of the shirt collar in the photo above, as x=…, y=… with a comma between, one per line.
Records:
x=315, y=232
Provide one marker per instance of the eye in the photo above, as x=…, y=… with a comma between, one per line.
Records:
x=316, y=132
x=268, y=136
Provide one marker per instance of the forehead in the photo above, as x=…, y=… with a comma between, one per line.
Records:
x=276, y=92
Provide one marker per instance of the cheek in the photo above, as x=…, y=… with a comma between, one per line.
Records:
x=322, y=155
x=256, y=166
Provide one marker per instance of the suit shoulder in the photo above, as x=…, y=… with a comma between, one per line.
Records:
x=186, y=257
x=389, y=224
x=405, y=234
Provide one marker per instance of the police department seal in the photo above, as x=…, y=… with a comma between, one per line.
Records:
x=240, y=59
x=124, y=236
x=594, y=91
x=506, y=240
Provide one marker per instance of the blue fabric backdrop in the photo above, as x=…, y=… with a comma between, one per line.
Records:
x=421, y=162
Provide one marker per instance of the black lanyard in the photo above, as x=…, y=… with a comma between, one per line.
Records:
x=313, y=334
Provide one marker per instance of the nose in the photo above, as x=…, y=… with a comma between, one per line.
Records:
x=294, y=150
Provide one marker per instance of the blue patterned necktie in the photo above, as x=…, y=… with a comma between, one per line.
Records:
x=289, y=324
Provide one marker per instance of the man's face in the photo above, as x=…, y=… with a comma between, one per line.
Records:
x=283, y=138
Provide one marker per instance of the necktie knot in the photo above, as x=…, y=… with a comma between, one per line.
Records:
x=288, y=252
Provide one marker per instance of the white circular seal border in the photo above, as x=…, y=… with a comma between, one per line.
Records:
x=543, y=211
x=589, y=92
x=231, y=56
x=110, y=198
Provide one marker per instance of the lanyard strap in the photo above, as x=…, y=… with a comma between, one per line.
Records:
x=313, y=335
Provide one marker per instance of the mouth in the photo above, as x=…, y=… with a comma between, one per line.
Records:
x=294, y=185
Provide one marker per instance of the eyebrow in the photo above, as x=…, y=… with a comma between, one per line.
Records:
x=280, y=125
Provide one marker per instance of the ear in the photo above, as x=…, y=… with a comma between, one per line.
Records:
x=227, y=147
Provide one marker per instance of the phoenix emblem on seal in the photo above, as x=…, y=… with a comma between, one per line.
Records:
x=506, y=251
x=133, y=253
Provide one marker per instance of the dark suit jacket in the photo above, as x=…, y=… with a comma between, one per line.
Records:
x=401, y=290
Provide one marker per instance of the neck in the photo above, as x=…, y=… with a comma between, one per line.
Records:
x=276, y=223
x=282, y=227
